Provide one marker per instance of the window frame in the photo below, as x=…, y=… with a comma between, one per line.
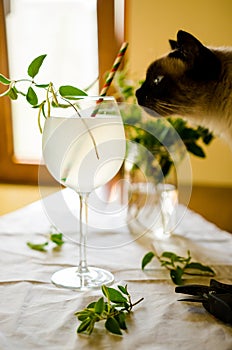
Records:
x=110, y=18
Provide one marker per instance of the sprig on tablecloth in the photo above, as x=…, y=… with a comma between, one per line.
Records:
x=113, y=311
x=178, y=265
x=55, y=238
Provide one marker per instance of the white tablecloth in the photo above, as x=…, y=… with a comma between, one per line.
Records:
x=34, y=314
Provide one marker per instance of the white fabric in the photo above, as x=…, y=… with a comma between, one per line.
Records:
x=34, y=314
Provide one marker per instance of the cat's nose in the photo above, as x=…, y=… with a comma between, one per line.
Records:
x=138, y=93
x=141, y=97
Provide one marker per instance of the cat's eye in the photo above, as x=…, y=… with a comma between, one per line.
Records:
x=158, y=79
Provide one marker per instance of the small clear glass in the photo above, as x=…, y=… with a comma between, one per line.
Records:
x=168, y=195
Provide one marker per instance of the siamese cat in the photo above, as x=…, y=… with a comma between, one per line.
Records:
x=192, y=81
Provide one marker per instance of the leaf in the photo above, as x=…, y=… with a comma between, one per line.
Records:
x=190, y=134
x=91, y=305
x=35, y=65
x=42, y=86
x=4, y=80
x=84, y=325
x=195, y=149
x=99, y=306
x=113, y=295
x=57, y=238
x=60, y=105
x=31, y=96
x=112, y=326
x=166, y=166
x=82, y=315
x=147, y=258
x=169, y=255
x=12, y=93
x=90, y=327
x=208, y=138
x=168, y=258
x=200, y=267
x=172, y=258
x=105, y=291
x=70, y=92
x=40, y=247
x=121, y=320
x=123, y=289
x=176, y=275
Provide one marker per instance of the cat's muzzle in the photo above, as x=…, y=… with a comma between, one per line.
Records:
x=141, y=96
x=145, y=102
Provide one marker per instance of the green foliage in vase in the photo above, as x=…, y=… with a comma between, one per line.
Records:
x=52, y=97
x=112, y=311
x=178, y=265
x=158, y=135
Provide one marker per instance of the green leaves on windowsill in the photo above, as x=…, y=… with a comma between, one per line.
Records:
x=113, y=311
x=55, y=238
x=178, y=265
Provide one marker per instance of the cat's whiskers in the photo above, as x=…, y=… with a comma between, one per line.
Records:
x=168, y=104
x=167, y=107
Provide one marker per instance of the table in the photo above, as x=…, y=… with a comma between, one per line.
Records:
x=34, y=314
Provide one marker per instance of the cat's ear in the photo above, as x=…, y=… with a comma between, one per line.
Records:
x=188, y=43
x=186, y=47
x=202, y=63
x=173, y=44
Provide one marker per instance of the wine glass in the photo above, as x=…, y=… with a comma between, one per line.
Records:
x=82, y=152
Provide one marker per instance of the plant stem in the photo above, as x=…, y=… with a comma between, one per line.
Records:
x=48, y=102
x=89, y=131
x=137, y=302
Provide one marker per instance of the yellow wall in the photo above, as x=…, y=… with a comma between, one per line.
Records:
x=149, y=25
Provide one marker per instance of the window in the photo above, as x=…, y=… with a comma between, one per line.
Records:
x=69, y=38
x=85, y=34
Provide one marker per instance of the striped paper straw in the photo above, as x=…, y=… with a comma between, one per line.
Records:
x=110, y=76
x=114, y=69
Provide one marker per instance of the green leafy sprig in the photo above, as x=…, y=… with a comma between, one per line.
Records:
x=112, y=311
x=67, y=93
x=178, y=265
x=56, y=238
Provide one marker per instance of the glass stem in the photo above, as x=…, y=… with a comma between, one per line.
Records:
x=83, y=267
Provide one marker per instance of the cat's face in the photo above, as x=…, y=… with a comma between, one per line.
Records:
x=179, y=82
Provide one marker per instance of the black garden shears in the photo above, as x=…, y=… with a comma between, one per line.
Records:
x=216, y=298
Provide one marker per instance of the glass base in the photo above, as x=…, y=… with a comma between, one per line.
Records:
x=70, y=278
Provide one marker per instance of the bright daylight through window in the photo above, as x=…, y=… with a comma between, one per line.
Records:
x=69, y=38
